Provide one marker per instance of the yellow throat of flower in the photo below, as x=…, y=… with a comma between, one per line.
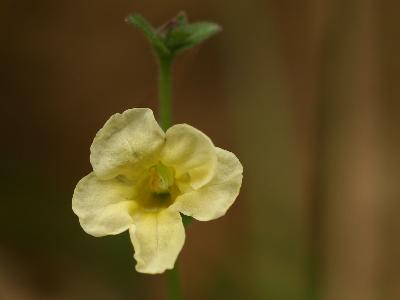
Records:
x=158, y=189
x=161, y=179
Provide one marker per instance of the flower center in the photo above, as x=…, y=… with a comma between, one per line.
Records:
x=161, y=179
x=159, y=190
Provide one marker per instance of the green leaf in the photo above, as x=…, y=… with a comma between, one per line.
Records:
x=201, y=31
x=190, y=35
x=148, y=30
x=177, y=38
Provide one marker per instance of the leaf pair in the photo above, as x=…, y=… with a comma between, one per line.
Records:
x=175, y=36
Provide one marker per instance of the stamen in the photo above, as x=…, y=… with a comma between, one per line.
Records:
x=161, y=179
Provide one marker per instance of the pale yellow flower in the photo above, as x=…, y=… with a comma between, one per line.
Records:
x=144, y=178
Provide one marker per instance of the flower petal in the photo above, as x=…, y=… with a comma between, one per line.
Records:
x=213, y=200
x=126, y=139
x=158, y=238
x=189, y=152
x=102, y=205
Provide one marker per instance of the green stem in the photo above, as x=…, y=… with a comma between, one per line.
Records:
x=165, y=92
x=165, y=119
x=174, y=287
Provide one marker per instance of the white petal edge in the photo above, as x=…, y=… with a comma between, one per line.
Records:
x=102, y=206
x=214, y=199
x=125, y=140
x=190, y=152
x=157, y=238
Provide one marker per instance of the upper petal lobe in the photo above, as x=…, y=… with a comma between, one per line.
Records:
x=125, y=143
x=213, y=200
x=191, y=153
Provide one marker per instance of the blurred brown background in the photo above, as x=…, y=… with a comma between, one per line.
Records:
x=306, y=93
